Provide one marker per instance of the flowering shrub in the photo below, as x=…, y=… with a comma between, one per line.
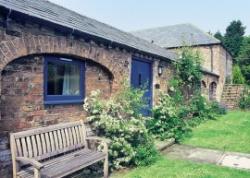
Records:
x=119, y=119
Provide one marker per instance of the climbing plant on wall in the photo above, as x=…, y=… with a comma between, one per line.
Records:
x=188, y=71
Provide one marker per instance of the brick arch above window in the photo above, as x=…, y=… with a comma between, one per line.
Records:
x=114, y=61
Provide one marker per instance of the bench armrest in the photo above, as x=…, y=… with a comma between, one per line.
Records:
x=107, y=141
x=30, y=161
x=102, y=141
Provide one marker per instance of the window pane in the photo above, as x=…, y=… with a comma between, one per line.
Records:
x=63, y=79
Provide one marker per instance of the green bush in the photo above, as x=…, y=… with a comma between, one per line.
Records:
x=199, y=107
x=217, y=108
x=184, y=107
x=244, y=102
x=120, y=120
x=202, y=108
x=145, y=155
x=166, y=122
x=238, y=77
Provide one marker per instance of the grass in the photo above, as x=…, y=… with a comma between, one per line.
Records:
x=230, y=132
x=165, y=167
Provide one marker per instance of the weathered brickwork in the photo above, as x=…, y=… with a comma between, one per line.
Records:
x=161, y=82
x=22, y=103
x=207, y=80
x=218, y=61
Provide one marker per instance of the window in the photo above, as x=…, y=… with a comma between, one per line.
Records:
x=64, y=80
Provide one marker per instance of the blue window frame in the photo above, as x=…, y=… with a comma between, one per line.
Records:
x=64, y=80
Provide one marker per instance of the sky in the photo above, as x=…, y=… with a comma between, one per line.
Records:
x=132, y=15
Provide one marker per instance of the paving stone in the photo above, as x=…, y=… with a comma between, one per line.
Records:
x=202, y=155
x=235, y=161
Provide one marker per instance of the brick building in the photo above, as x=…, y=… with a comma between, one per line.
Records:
x=217, y=61
x=51, y=58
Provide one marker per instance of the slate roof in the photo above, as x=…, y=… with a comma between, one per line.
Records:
x=50, y=12
x=177, y=36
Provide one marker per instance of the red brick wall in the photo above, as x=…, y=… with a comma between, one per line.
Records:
x=21, y=79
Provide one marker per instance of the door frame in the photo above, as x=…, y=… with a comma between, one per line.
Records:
x=150, y=62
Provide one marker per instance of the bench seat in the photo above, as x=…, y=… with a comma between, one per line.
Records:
x=66, y=164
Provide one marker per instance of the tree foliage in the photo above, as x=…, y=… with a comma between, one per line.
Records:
x=244, y=58
x=234, y=36
x=188, y=72
x=219, y=36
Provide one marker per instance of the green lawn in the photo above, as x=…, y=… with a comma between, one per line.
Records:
x=165, y=168
x=230, y=132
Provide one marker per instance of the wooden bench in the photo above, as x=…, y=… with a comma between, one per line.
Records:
x=55, y=151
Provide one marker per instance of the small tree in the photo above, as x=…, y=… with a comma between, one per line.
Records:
x=188, y=71
x=238, y=78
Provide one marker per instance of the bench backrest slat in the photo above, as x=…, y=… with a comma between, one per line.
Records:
x=34, y=146
x=19, y=148
x=24, y=147
x=46, y=142
x=39, y=145
x=44, y=147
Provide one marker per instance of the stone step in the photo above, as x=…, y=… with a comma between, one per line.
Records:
x=231, y=95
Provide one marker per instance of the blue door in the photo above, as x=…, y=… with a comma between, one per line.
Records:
x=141, y=77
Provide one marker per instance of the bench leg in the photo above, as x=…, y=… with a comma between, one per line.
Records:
x=15, y=169
x=106, y=167
x=37, y=173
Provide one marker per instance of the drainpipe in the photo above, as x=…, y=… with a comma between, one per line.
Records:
x=7, y=18
x=212, y=58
